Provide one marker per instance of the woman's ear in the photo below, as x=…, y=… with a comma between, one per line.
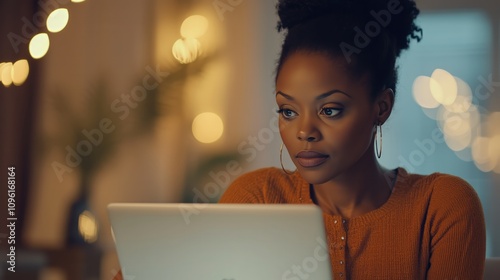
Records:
x=385, y=102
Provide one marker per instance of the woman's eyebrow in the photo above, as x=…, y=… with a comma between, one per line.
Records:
x=284, y=95
x=328, y=93
x=321, y=96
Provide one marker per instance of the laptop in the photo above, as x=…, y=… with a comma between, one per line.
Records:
x=220, y=241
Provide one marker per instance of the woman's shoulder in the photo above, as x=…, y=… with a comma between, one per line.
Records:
x=437, y=181
x=442, y=188
x=265, y=185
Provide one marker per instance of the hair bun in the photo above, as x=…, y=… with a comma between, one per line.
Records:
x=293, y=12
x=401, y=27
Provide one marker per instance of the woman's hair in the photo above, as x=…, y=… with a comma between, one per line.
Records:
x=369, y=34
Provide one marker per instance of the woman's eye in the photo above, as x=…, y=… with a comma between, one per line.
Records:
x=287, y=113
x=330, y=112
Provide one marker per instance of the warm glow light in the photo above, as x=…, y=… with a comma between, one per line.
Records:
x=441, y=116
x=57, y=20
x=186, y=50
x=464, y=97
x=494, y=151
x=456, y=124
x=87, y=226
x=474, y=116
x=39, y=45
x=458, y=143
x=20, y=71
x=6, y=74
x=1, y=69
x=492, y=124
x=77, y=1
x=194, y=26
x=207, y=127
x=422, y=92
x=457, y=131
x=480, y=154
x=461, y=104
x=443, y=87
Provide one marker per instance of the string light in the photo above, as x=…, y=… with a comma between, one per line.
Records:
x=20, y=71
x=57, y=20
x=39, y=45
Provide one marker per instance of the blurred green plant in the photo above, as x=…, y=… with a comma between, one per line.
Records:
x=75, y=122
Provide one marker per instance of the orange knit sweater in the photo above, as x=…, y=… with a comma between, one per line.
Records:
x=431, y=227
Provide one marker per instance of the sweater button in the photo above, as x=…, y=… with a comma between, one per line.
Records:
x=343, y=238
x=335, y=221
x=341, y=262
x=341, y=274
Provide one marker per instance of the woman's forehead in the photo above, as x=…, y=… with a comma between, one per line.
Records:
x=316, y=72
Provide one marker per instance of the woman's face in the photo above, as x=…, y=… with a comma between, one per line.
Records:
x=327, y=119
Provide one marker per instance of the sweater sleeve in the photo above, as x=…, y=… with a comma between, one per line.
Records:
x=458, y=234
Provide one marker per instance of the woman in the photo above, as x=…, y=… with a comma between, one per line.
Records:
x=335, y=88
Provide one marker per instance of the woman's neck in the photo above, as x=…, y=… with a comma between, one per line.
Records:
x=361, y=189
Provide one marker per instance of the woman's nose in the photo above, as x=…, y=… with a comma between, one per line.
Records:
x=308, y=132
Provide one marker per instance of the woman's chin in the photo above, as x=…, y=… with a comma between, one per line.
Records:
x=315, y=177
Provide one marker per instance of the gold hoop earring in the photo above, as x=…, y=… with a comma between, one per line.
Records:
x=281, y=161
x=378, y=151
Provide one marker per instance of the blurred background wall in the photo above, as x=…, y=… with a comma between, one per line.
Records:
x=109, y=114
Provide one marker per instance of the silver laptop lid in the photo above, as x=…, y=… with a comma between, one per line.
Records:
x=220, y=241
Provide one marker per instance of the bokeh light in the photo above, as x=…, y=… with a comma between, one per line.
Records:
x=456, y=124
x=186, y=50
x=207, y=127
x=77, y=1
x=39, y=45
x=87, y=226
x=194, y=26
x=464, y=98
x=443, y=87
x=495, y=152
x=6, y=73
x=422, y=92
x=460, y=142
x=468, y=129
x=57, y=20
x=20, y=71
x=1, y=69
x=480, y=154
x=492, y=124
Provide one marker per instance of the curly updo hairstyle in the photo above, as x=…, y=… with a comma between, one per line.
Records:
x=369, y=34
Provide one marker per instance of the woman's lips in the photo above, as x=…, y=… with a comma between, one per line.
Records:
x=310, y=158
